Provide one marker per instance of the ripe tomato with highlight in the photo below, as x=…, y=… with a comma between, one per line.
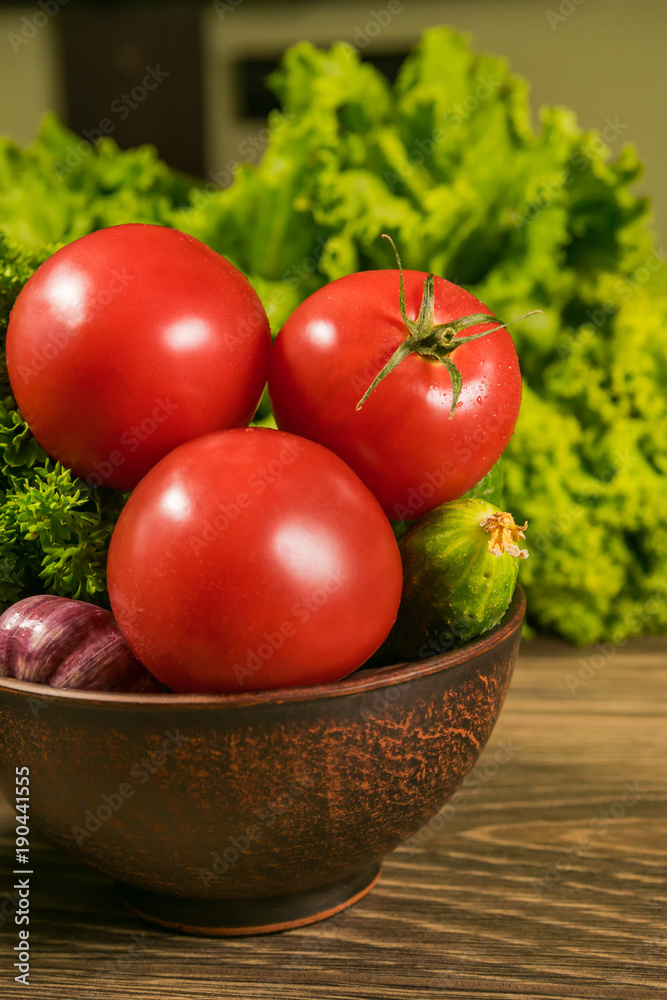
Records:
x=252, y=559
x=412, y=441
x=130, y=341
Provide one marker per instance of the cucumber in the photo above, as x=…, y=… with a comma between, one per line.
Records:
x=460, y=566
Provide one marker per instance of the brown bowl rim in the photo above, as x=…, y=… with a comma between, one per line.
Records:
x=361, y=680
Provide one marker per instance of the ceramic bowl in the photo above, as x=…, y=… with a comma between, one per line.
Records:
x=249, y=813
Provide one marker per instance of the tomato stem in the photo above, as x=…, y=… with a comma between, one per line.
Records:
x=394, y=361
x=431, y=340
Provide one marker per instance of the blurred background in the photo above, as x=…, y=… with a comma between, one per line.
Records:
x=602, y=58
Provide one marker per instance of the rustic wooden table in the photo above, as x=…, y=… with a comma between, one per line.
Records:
x=548, y=879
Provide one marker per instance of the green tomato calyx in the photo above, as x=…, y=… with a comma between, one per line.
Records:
x=505, y=535
x=431, y=340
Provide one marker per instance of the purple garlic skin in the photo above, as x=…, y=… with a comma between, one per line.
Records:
x=68, y=644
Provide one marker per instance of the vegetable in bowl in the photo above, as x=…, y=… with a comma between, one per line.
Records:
x=68, y=644
x=404, y=375
x=253, y=559
x=460, y=564
x=129, y=341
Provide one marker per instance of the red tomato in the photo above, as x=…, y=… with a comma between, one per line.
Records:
x=130, y=341
x=253, y=559
x=402, y=442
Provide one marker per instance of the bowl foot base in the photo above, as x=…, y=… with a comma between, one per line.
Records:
x=235, y=917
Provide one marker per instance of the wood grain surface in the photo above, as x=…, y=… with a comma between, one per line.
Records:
x=547, y=877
